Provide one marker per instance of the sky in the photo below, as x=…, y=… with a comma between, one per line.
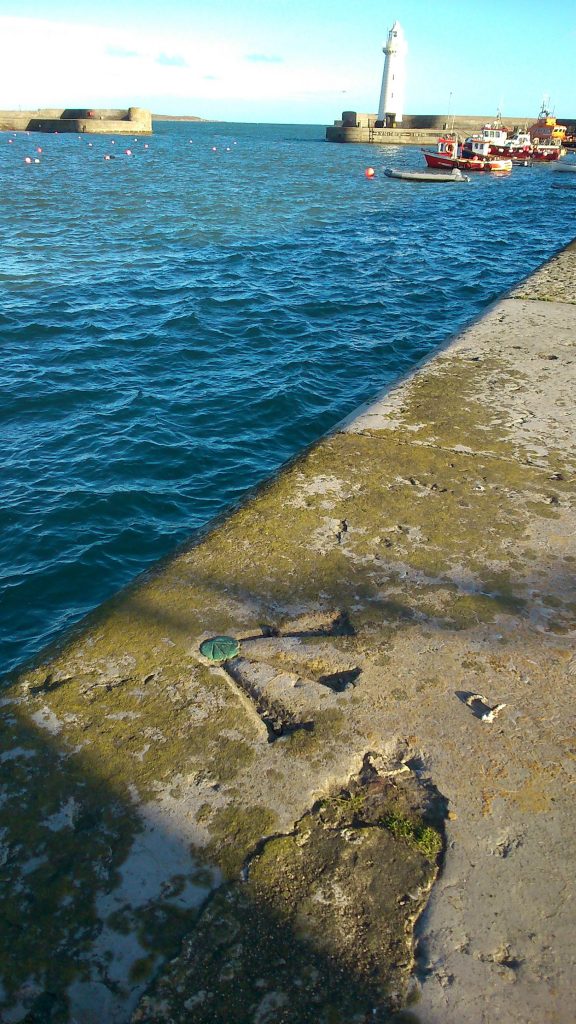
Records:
x=287, y=61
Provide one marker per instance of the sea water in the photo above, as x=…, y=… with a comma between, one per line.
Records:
x=177, y=321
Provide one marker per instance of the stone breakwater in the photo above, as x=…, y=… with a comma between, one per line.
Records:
x=91, y=122
x=259, y=840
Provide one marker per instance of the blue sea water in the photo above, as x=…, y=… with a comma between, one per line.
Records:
x=177, y=323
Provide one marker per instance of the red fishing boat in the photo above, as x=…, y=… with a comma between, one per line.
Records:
x=526, y=146
x=472, y=155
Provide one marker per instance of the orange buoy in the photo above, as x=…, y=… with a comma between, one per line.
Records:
x=369, y=172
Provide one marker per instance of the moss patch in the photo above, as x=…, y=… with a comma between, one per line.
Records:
x=234, y=831
x=422, y=837
x=327, y=726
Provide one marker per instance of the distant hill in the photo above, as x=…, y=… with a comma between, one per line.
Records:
x=177, y=117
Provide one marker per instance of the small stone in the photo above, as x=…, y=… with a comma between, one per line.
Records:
x=489, y=713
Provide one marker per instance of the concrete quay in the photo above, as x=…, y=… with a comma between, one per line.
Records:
x=332, y=826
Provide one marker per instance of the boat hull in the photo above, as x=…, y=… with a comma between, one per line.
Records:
x=432, y=175
x=518, y=155
x=546, y=157
x=521, y=155
x=567, y=168
x=466, y=163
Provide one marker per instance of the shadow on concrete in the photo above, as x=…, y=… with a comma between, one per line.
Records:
x=483, y=599
x=85, y=914
x=91, y=914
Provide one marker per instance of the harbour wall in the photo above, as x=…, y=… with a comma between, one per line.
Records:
x=402, y=596
x=79, y=121
x=416, y=129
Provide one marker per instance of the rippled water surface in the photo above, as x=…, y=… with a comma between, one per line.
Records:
x=176, y=324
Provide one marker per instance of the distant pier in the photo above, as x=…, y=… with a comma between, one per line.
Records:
x=78, y=121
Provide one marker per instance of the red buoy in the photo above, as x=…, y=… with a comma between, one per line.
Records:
x=369, y=172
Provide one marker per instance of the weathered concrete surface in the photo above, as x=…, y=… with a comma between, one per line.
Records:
x=422, y=553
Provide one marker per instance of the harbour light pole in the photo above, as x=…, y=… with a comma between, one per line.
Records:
x=391, y=107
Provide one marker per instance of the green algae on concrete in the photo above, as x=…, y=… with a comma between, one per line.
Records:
x=143, y=729
x=554, y=282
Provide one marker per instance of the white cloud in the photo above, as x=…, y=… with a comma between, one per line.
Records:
x=44, y=63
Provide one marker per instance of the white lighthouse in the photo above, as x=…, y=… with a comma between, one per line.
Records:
x=391, y=107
